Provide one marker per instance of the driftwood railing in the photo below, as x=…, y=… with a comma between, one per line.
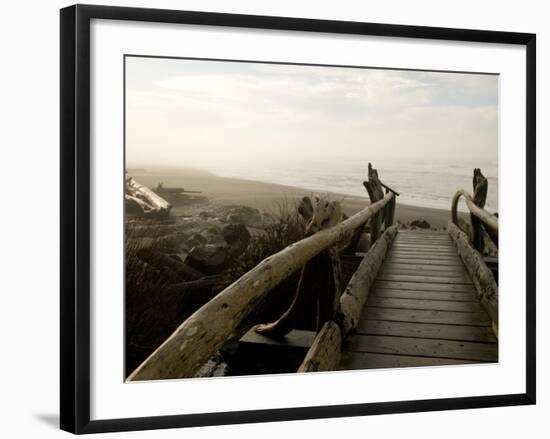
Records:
x=204, y=332
x=471, y=245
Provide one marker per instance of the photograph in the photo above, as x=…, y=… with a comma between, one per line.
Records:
x=290, y=218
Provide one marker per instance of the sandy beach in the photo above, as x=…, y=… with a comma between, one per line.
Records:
x=267, y=196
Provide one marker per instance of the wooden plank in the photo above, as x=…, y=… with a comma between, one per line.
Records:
x=425, y=251
x=427, y=295
x=283, y=355
x=437, y=305
x=426, y=330
x=425, y=272
x=420, y=316
x=423, y=347
x=417, y=260
x=450, y=252
x=424, y=279
x=419, y=238
x=429, y=256
x=361, y=360
x=435, y=276
x=426, y=256
x=393, y=265
x=423, y=247
x=423, y=239
x=423, y=232
x=420, y=286
x=452, y=277
x=424, y=244
x=294, y=339
x=436, y=259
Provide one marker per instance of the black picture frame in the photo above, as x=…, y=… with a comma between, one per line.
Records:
x=75, y=216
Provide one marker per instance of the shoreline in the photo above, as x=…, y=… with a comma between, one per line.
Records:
x=268, y=197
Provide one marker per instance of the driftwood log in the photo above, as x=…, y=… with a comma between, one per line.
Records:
x=205, y=331
x=356, y=293
x=151, y=203
x=481, y=275
x=161, y=260
x=324, y=354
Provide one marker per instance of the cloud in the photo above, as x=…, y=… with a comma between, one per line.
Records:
x=190, y=109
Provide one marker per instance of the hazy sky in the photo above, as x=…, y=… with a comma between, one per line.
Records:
x=187, y=113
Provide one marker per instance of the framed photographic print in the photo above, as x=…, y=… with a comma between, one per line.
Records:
x=274, y=218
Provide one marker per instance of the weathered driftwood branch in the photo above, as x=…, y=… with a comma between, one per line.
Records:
x=356, y=293
x=205, y=331
x=324, y=353
x=481, y=275
x=488, y=219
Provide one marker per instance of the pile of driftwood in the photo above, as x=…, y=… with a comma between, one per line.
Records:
x=142, y=201
x=165, y=283
x=180, y=196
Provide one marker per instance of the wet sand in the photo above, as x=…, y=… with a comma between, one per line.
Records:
x=268, y=196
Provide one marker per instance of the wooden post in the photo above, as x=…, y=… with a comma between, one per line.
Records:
x=374, y=189
x=480, y=196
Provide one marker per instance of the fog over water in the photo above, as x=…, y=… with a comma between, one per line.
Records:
x=316, y=127
x=420, y=183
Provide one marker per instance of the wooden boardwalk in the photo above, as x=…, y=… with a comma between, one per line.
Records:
x=409, y=302
x=422, y=310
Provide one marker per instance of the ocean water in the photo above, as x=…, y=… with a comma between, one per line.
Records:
x=425, y=183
